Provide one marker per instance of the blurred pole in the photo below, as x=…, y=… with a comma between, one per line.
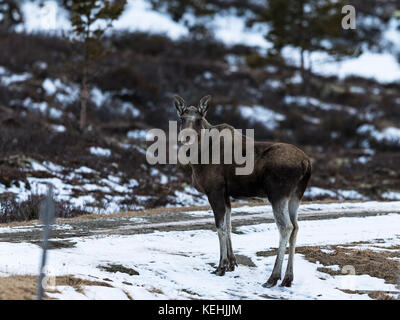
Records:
x=47, y=213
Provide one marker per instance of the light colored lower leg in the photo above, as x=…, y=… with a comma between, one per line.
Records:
x=285, y=227
x=293, y=207
x=292, y=248
x=228, y=232
x=222, y=236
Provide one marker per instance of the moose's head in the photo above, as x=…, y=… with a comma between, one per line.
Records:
x=191, y=117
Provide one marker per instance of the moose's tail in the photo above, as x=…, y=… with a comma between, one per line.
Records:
x=302, y=184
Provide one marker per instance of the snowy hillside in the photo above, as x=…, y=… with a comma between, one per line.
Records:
x=228, y=28
x=348, y=125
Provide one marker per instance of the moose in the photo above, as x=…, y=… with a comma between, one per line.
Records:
x=280, y=174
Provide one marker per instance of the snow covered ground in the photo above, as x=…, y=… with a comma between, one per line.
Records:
x=178, y=264
x=228, y=28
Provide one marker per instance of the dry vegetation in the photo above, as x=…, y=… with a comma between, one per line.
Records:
x=146, y=70
x=373, y=260
x=24, y=287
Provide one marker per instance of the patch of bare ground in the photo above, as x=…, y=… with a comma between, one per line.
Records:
x=378, y=264
x=375, y=262
x=155, y=290
x=18, y=287
x=79, y=283
x=113, y=268
x=376, y=295
x=193, y=295
x=24, y=287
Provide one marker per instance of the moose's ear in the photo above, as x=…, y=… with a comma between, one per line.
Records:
x=203, y=106
x=180, y=104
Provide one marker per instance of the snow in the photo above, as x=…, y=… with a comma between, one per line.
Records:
x=389, y=134
x=116, y=191
x=64, y=93
x=130, y=108
x=58, y=128
x=32, y=228
x=328, y=251
x=228, y=27
x=176, y=264
x=85, y=170
x=49, y=17
x=140, y=17
x=305, y=208
x=315, y=192
x=99, y=97
x=190, y=197
x=137, y=134
x=363, y=159
x=7, y=78
x=391, y=195
x=306, y=102
x=64, y=188
x=232, y=30
x=6, y=81
x=43, y=108
x=104, y=293
x=50, y=86
x=350, y=195
x=268, y=117
x=101, y=152
x=156, y=173
x=381, y=66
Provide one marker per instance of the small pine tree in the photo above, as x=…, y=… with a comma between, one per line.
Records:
x=307, y=25
x=90, y=20
x=310, y=26
x=396, y=15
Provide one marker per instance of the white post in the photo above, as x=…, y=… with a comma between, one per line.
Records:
x=47, y=213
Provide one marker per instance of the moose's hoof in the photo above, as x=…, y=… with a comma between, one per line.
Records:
x=270, y=283
x=231, y=267
x=232, y=264
x=220, y=271
x=287, y=282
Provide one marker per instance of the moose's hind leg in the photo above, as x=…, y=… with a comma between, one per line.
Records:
x=285, y=227
x=293, y=207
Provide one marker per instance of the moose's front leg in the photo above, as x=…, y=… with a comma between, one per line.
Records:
x=231, y=255
x=217, y=202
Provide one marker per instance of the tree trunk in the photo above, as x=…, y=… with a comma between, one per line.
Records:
x=84, y=87
x=303, y=71
x=303, y=49
x=302, y=66
x=84, y=98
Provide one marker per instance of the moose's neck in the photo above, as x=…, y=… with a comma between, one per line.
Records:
x=206, y=124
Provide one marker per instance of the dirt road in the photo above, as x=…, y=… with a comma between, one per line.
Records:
x=182, y=219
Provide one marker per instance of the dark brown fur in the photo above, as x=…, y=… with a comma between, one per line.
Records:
x=281, y=171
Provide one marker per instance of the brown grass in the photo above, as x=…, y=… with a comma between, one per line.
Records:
x=374, y=263
x=24, y=287
x=377, y=264
x=376, y=295
x=155, y=290
x=146, y=212
x=18, y=287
